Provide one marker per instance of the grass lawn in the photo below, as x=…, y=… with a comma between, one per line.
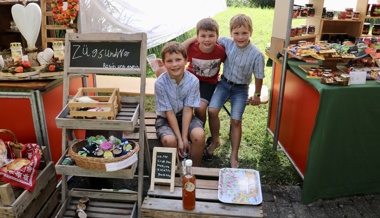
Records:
x=256, y=144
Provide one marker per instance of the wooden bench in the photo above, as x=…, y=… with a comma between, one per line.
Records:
x=162, y=203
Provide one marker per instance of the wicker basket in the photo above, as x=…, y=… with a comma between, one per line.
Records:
x=95, y=163
x=16, y=147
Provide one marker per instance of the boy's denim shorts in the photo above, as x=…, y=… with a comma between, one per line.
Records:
x=238, y=96
x=163, y=128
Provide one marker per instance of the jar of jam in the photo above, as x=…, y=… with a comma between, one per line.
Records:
x=375, y=10
x=304, y=12
x=342, y=15
x=311, y=29
x=293, y=32
x=366, y=27
x=330, y=14
x=304, y=29
x=376, y=29
x=295, y=12
x=349, y=13
x=299, y=31
x=356, y=15
x=311, y=12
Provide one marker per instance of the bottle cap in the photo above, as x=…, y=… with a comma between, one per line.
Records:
x=189, y=163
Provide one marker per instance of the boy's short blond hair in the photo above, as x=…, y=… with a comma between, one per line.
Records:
x=173, y=47
x=208, y=24
x=241, y=20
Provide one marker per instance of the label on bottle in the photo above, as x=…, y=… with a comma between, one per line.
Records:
x=189, y=186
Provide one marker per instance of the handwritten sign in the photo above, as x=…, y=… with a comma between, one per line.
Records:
x=163, y=166
x=105, y=54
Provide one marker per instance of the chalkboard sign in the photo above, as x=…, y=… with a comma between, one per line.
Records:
x=163, y=166
x=105, y=54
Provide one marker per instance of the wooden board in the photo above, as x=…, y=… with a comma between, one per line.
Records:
x=50, y=74
x=19, y=75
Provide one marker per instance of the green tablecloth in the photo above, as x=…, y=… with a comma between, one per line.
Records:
x=344, y=150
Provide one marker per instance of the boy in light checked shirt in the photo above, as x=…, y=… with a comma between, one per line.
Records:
x=176, y=94
x=243, y=60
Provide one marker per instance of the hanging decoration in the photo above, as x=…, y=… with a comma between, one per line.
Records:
x=65, y=16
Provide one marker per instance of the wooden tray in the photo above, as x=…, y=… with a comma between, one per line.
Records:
x=50, y=74
x=101, y=204
x=125, y=120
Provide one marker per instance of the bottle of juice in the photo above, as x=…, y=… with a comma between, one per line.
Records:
x=188, y=187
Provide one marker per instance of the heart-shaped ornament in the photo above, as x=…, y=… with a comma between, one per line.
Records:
x=45, y=56
x=28, y=21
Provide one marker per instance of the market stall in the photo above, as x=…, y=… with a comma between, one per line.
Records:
x=327, y=127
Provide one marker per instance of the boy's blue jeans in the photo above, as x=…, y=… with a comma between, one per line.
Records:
x=238, y=96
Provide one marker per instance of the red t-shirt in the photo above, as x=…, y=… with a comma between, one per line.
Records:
x=205, y=66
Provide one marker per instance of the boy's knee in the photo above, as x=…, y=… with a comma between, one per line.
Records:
x=235, y=122
x=213, y=112
x=169, y=141
x=197, y=135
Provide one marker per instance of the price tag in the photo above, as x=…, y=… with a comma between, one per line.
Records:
x=358, y=77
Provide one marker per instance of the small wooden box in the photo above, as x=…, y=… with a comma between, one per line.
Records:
x=108, y=104
x=30, y=204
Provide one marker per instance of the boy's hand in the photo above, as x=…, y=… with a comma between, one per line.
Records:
x=180, y=149
x=254, y=100
x=187, y=148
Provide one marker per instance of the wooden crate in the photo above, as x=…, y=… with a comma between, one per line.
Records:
x=29, y=204
x=125, y=120
x=102, y=204
x=162, y=203
x=108, y=103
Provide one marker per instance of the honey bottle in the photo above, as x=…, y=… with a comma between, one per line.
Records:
x=188, y=187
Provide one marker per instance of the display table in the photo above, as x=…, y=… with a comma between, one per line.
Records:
x=330, y=133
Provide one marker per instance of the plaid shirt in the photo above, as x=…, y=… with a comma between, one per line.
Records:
x=241, y=63
x=172, y=96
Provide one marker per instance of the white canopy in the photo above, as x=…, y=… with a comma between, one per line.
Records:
x=162, y=20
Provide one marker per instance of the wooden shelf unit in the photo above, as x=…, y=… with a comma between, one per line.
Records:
x=69, y=124
x=323, y=26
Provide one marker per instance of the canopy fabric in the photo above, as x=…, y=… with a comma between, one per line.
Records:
x=162, y=20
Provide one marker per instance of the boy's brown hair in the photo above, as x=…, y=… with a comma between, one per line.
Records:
x=208, y=24
x=173, y=47
x=241, y=20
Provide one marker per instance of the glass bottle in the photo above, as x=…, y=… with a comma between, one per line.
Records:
x=188, y=187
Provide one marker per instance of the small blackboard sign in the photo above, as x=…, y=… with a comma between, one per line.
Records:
x=163, y=166
x=105, y=54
